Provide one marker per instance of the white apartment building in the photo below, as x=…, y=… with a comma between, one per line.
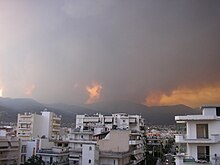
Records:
x=105, y=133
x=113, y=150
x=115, y=121
x=201, y=137
x=76, y=140
x=32, y=125
x=90, y=154
x=30, y=148
x=9, y=149
x=55, y=155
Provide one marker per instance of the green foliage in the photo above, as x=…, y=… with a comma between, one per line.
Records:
x=152, y=154
x=34, y=160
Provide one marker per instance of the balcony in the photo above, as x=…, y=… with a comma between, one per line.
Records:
x=75, y=150
x=114, y=154
x=4, y=157
x=195, y=118
x=26, y=116
x=135, y=142
x=56, y=124
x=84, y=141
x=138, y=151
x=55, y=130
x=24, y=121
x=56, y=118
x=132, y=120
x=24, y=135
x=25, y=128
x=214, y=138
x=138, y=160
x=8, y=149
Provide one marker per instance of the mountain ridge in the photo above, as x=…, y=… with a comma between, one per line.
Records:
x=9, y=108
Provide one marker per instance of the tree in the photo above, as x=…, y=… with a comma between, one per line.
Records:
x=34, y=160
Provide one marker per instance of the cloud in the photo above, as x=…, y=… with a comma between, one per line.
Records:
x=30, y=89
x=193, y=97
x=132, y=47
x=94, y=92
x=86, y=8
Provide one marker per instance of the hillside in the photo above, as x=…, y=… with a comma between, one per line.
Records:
x=9, y=108
x=152, y=115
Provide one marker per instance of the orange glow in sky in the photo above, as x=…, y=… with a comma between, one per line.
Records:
x=1, y=92
x=29, y=89
x=94, y=92
x=193, y=97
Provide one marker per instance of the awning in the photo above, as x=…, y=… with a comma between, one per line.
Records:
x=3, y=144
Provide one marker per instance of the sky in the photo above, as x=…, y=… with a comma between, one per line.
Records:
x=153, y=52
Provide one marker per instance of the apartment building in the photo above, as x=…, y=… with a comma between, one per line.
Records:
x=114, y=121
x=77, y=139
x=32, y=125
x=201, y=136
x=115, y=151
x=103, y=133
x=9, y=149
x=55, y=155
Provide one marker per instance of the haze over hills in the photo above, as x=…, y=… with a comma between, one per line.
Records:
x=153, y=115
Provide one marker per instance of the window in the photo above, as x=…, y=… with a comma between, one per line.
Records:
x=23, y=158
x=202, y=131
x=203, y=153
x=217, y=111
x=90, y=148
x=90, y=161
x=23, y=149
x=123, y=121
x=81, y=136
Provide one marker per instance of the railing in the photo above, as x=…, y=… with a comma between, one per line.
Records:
x=180, y=138
x=74, y=139
x=115, y=154
x=49, y=151
x=138, y=151
x=27, y=128
x=75, y=150
x=56, y=118
x=25, y=121
x=6, y=157
x=135, y=142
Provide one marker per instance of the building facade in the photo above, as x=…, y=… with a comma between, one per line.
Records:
x=102, y=133
x=201, y=136
x=114, y=121
x=9, y=149
x=32, y=125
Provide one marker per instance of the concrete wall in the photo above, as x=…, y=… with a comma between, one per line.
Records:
x=112, y=161
x=118, y=141
x=47, y=124
x=37, y=125
x=213, y=128
x=209, y=111
x=89, y=154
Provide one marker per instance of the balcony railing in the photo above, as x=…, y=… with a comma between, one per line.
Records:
x=75, y=150
x=135, y=142
x=138, y=151
x=213, y=138
x=56, y=118
x=25, y=121
x=4, y=157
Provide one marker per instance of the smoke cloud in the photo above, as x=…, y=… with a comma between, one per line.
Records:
x=151, y=52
